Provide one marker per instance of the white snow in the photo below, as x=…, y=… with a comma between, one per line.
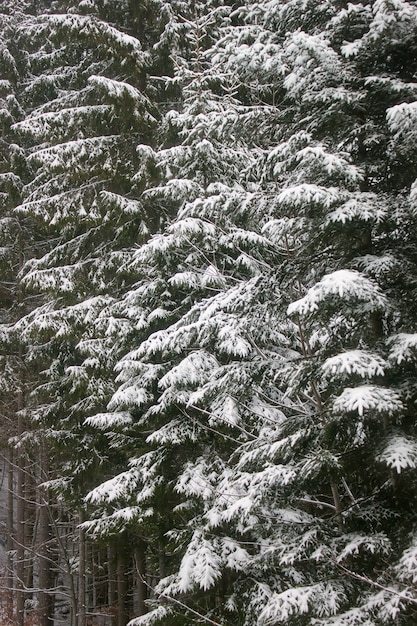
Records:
x=359, y=362
x=368, y=398
x=402, y=118
x=403, y=347
x=365, y=209
x=407, y=566
x=200, y=565
x=306, y=194
x=108, y=420
x=346, y=284
x=399, y=454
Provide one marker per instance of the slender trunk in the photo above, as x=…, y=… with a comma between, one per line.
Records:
x=161, y=559
x=337, y=503
x=93, y=584
x=122, y=583
x=45, y=597
x=10, y=532
x=20, y=471
x=198, y=60
x=81, y=575
x=30, y=529
x=141, y=577
x=101, y=582
x=112, y=581
x=63, y=534
x=20, y=522
x=45, y=600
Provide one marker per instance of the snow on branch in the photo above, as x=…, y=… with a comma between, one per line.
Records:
x=322, y=598
x=399, y=16
x=91, y=28
x=139, y=480
x=104, y=421
x=128, y=396
x=40, y=126
x=305, y=194
x=358, y=543
x=407, y=565
x=345, y=284
x=204, y=559
x=368, y=398
x=366, y=208
x=330, y=163
x=118, y=89
x=70, y=153
x=399, y=454
x=403, y=347
x=122, y=91
x=193, y=369
x=155, y=616
x=402, y=119
x=396, y=17
x=358, y=362
x=201, y=564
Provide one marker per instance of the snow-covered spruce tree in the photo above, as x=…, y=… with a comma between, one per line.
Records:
x=279, y=394
x=12, y=174
x=344, y=259
x=87, y=112
x=16, y=377
x=199, y=274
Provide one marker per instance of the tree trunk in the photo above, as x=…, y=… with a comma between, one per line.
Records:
x=10, y=532
x=45, y=574
x=81, y=575
x=161, y=559
x=20, y=522
x=45, y=599
x=112, y=581
x=337, y=503
x=122, y=583
x=142, y=590
x=30, y=528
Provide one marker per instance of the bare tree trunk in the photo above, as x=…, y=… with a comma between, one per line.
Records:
x=122, y=582
x=30, y=527
x=45, y=597
x=10, y=532
x=112, y=581
x=337, y=503
x=62, y=530
x=142, y=590
x=82, y=555
x=101, y=577
x=161, y=558
x=20, y=521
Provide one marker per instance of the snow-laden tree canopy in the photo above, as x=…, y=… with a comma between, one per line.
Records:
x=223, y=200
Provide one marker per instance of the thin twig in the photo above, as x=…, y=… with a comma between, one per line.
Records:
x=373, y=583
x=176, y=601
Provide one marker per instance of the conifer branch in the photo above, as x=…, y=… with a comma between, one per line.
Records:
x=374, y=583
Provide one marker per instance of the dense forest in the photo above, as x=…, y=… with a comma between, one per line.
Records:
x=208, y=301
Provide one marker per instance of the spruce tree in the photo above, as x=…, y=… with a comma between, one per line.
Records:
x=244, y=254
x=87, y=111
x=289, y=378
x=16, y=376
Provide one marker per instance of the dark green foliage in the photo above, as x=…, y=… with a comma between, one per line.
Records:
x=228, y=277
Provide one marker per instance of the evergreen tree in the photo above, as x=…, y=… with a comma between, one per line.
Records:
x=284, y=363
x=247, y=265
x=15, y=245
x=87, y=110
